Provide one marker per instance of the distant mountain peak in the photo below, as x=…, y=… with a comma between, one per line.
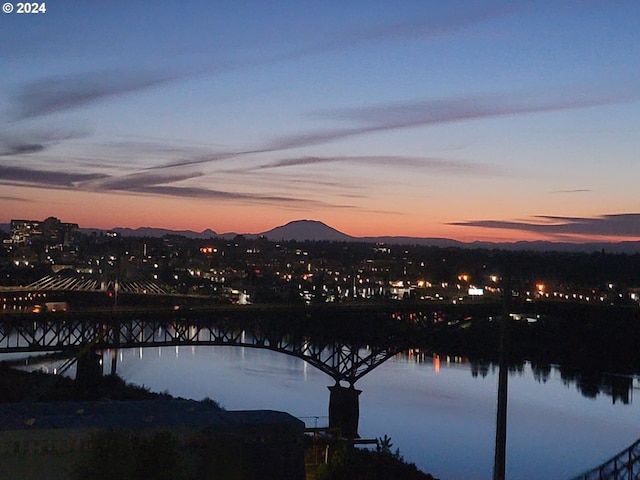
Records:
x=301, y=230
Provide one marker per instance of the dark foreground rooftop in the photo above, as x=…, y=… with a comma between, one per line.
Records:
x=133, y=414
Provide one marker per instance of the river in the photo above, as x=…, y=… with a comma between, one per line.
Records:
x=439, y=415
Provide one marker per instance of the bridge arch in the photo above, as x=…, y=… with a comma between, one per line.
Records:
x=342, y=359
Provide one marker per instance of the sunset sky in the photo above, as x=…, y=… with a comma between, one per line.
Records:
x=472, y=120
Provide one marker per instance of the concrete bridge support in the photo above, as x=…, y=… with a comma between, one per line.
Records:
x=344, y=409
x=88, y=370
x=114, y=362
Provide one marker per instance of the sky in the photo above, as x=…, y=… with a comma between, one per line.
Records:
x=471, y=120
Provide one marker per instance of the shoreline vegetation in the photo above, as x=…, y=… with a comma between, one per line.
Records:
x=346, y=463
x=37, y=386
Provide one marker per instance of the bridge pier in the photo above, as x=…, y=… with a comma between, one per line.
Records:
x=88, y=370
x=344, y=409
x=114, y=362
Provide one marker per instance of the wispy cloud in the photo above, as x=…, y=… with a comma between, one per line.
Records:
x=420, y=113
x=435, y=24
x=31, y=176
x=167, y=178
x=614, y=225
x=14, y=199
x=16, y=142
x=386, y=161
x=200, y=160
x=137, y=181
x=577, y=190
x=159, y=147
x=12, y=149
x=205, y=193
x=144, y=184
x=60, y=93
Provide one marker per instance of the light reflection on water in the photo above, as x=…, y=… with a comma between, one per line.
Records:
x=440, y=416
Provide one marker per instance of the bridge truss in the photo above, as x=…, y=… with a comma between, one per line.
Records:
x=343, y=360
x=624, y=466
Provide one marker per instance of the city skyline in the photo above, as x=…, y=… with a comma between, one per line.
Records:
x=496, y=121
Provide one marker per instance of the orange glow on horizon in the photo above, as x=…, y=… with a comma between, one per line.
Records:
x=106, y=211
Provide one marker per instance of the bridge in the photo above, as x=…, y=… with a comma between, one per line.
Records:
x=623, y=466
x=65, y=281
x=68, y=280
x=344, y=341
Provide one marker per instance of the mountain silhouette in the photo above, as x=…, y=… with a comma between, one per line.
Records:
x=157, y=232
x=301, y=230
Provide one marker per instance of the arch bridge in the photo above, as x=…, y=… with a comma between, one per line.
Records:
x=344, y=341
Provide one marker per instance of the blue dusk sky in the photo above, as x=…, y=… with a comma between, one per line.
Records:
x=461, y=119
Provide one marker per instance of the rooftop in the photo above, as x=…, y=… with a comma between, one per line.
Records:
x=132, y=414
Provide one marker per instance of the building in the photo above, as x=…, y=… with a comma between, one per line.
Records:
x=50, y=230
x=44, y=440
x=23, y=230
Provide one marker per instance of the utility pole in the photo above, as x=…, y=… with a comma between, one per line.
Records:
x=499, y=464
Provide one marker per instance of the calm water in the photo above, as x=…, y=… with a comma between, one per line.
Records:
x=438, y=415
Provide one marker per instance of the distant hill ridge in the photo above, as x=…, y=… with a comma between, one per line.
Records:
x=314, y=230
x=156, y=232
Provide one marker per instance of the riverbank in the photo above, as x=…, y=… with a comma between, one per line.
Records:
x=20, y=386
